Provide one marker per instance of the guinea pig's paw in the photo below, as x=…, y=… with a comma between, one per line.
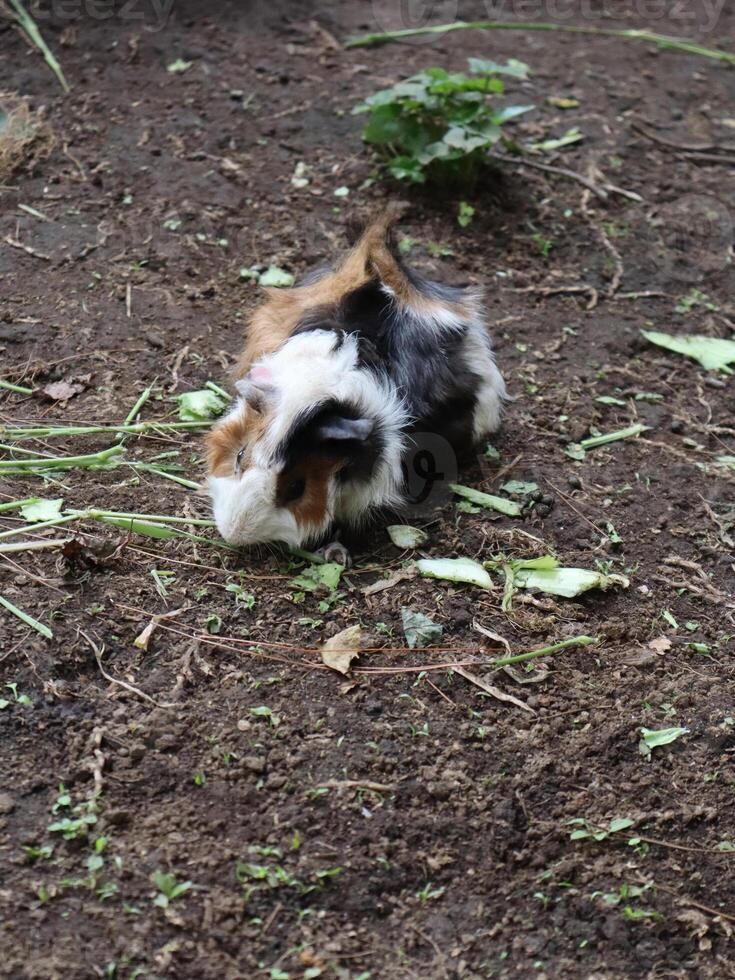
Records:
x=335, y=551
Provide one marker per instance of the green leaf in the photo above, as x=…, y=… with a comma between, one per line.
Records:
x=510, y=507
x=465, y=570
x=567, y=582
x=511, y=112
x=713, y=353
x=274, y=276
x=513, y=67
x=663, y=736
x=620, y=823
x=420, y=631
x=43, y=509
x=519, y=487
x=179, y=66
x=326, y=575
x=405, y=536
x=195, y=406
x=465, y=214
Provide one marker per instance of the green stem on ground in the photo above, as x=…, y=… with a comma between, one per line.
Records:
x=135, y=410
x=30, y=28
x=28, y=620
x=647, y=37
x=17, y=504
x=151, y=518
x=39, y=525
x=218, y=391
x=150, y=468
x=603, y=440
x=575, y=641
x=61, y=462
x=137, y=428
x=18, y=389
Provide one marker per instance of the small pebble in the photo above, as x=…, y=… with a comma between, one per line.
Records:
x=677, y=426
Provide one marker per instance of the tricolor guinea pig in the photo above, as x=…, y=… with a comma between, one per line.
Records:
x=337, y=378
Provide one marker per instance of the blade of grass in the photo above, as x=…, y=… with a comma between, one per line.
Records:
x=647, y=37
x=28, y=620
x=18, y=389
x=629, y=433
x=33, y=34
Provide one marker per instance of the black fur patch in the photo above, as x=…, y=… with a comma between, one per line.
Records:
x=303, y=439
x=420, y=360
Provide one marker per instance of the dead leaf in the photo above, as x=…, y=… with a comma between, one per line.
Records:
x=540, y=673
x=660, y=645
x=62, y=391
x=339, y=651
x=492, y=691
x=387, y=583
x=655, y=648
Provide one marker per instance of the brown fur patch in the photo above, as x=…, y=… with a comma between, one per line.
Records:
x=228, y=437
x=276, y=320
x=311, y=508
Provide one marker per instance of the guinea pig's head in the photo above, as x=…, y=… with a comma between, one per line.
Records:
x=303, y=433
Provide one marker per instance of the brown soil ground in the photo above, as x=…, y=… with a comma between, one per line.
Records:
x=397, y=823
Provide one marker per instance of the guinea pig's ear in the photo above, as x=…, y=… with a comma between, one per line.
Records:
x=338, y=428
x=256, y=394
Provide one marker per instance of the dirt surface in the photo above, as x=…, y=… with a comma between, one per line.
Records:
x=398, y=822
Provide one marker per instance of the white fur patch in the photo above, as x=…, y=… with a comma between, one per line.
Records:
x=245, y=511
x=478, y=356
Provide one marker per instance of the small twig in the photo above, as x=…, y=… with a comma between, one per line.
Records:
x=689, y=147
x=98, y=651
x=547, y=168
x=29, y=250
x=559, y=290
x=690, y=901
x=356, y=784
x=494, y=692
x=271, y=918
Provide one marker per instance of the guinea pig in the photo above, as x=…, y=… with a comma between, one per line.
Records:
x=339, y=379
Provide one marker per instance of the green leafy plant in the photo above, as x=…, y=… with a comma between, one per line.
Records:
x=168, y=888
x=437, y=126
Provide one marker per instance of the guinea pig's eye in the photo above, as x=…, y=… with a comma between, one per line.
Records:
x=239, y=459
x=295, y=490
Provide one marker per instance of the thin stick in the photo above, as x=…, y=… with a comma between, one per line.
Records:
x=647, y=37
x=28, y=249
x=98, y=651
x=562, y=171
